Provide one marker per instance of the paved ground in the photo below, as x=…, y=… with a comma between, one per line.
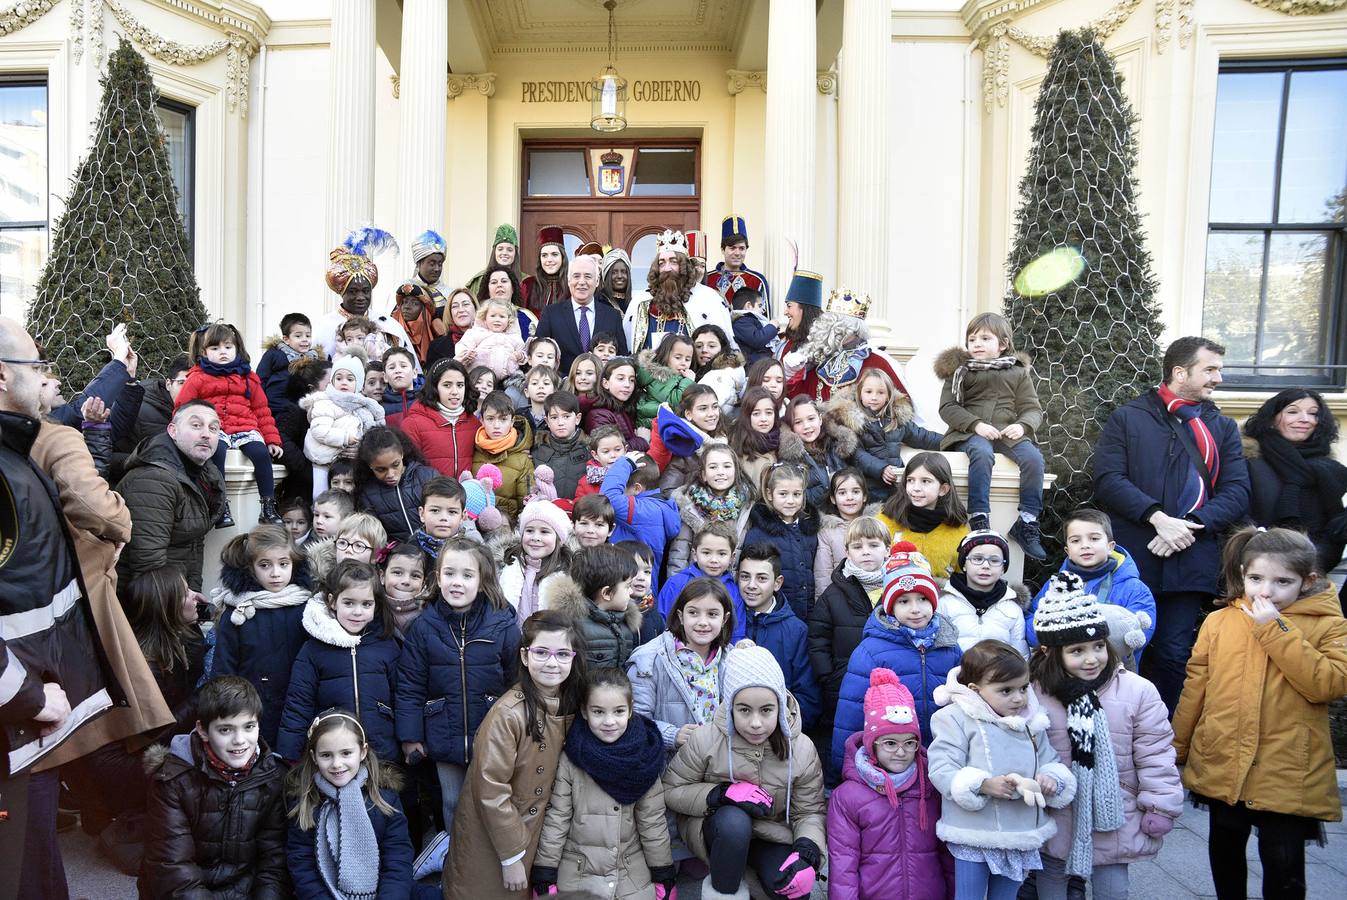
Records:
x=1180, y=871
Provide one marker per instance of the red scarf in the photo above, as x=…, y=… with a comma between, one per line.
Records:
x=1190, y=411
x=232, y=775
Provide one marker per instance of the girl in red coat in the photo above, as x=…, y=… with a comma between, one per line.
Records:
x=223, y=378
x=442, y=423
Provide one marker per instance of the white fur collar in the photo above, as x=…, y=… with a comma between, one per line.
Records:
x=973, y=706
x=322, y=625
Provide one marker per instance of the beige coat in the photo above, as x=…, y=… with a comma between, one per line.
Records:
x=598, y=845
x=1252, y=723
x=99, y=523
x=795, y=784
x=505, y=795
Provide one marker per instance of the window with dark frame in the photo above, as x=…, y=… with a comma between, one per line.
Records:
x=179, y=123
x=23, y=190
x=1277, y=235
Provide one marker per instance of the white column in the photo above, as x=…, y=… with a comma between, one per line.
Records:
x=350, y=180
x=422, y=123
x=863, y=247
x=792, y=84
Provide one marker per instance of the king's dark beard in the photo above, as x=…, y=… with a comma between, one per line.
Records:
x=667, y=299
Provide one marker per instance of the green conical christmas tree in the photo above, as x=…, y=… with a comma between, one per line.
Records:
x=1082, y=296
x=119, y=253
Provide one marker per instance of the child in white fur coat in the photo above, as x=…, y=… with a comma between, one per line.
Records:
x=338, y=418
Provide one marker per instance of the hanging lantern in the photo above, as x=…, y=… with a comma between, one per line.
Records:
x=608, y=90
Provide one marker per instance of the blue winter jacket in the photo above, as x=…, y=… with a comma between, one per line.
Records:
x=754, y=335
x=397, y=506
x=106, y=385
x=782, y=632
x=668, y=594
x=1140, y=465
x=453, y=668
x=1121, y=585
x=263, y=648
x=797, y=543
x=273, y=370
x=649, y=517
x=395, y=855
x=356, y=672
x=397, y=403
x=884, y=644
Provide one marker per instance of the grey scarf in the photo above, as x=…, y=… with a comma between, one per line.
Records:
x=869, y=580
x=348, y=853
x=1098, y=803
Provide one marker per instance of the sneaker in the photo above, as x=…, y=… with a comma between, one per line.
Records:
x=980, y=522
x=226, y=519
x=1029, y=537
x=431, y=860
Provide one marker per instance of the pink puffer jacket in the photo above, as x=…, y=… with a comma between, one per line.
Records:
x=879, y=852
x=1143, y=743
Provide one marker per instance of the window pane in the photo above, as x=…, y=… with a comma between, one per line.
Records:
x=1244, y=151
x=1295, y=329
x=23, y=153
x=573, y=242
x=177, y=131
x=642, y=258
x=1230, y=301
x=1314, y=154
x=665, y=173
x=558, y=173
x=23, y=253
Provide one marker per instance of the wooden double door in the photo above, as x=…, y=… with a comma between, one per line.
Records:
x=633, y=230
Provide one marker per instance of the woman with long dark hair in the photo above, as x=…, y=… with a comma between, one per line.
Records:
x=1296, y=482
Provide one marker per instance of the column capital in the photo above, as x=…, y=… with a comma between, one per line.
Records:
x=741, y=80
x=482, y=82
x=827, y=82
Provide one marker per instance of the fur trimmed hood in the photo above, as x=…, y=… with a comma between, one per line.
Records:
x=323, y=626
x=948, y=361
x=760, y=516
x=562, y=593
x=725, y=359
x=954, y=692
x=903, y=411
x=843, y=421
x=272, y=341
x=651, y=370
x=1252, y=449
x=791, y=448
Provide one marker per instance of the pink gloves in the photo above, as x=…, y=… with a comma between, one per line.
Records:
x=796, y=878
x=744, y=794
x=1154, y=824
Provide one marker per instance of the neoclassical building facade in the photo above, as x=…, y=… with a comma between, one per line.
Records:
x=880, y=142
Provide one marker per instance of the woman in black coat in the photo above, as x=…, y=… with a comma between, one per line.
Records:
x=1296, y=482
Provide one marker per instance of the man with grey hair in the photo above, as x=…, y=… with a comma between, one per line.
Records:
x=574, y=324
x=174, y=493
x=53, y=675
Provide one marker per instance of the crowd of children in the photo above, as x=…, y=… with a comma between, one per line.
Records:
x=545, y=631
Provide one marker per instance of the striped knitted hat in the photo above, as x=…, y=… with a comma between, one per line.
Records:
x=1068, y=615
x=906, y=571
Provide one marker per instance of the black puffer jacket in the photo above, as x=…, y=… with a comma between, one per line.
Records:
x=835, y=628
x=567, y=458
x=610, y=637
x=206, y=837
x=172, y=510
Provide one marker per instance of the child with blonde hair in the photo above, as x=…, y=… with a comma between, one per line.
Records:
x=889, y=424
x=490, y=342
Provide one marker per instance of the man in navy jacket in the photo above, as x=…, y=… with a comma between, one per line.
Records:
x=562, y=321
x=1170, y=470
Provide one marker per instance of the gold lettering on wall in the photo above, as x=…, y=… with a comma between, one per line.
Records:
x=644, y=91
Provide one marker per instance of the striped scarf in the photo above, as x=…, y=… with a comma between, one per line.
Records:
x=1195, y=491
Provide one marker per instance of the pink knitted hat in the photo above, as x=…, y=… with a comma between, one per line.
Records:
x=889, y=709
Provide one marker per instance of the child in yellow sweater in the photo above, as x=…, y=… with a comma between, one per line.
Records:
x=928, y=512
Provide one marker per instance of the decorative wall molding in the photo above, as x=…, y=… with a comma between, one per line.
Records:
x=741, y=80
x=483, y=83
x=827, y=83
x=1301, y=7
x=22, y=14
x=397, y=85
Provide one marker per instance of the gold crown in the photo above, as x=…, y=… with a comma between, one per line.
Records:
x=848, y=303
x=611, y=158
x=671, y=240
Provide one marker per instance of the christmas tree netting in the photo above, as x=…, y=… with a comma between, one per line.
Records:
x=119, y=253
x=1082, y=294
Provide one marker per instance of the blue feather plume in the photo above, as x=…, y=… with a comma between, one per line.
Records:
x=370, y=240
x=431, y=237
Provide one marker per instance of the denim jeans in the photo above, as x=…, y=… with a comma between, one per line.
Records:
x=981, y=458
x=974, y=881
x=451, y=777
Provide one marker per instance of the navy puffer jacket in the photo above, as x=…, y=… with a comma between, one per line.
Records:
x=349, y=671
x=454, y=666
x=797, y=543
x=396, y=506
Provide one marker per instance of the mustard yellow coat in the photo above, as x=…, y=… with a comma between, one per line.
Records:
x=1252, y=723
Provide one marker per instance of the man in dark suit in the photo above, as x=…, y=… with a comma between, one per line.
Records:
x=574, y=323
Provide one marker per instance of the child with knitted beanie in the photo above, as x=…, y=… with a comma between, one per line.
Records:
x=992, y=762
x=1112, y=728
x=905, y=634
x=881, y=820
x=748, y=788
